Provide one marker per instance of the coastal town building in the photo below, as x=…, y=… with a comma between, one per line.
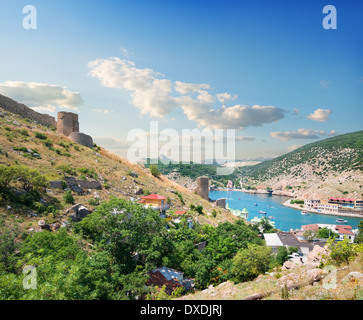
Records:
x=156, y=202
x=343, y=231
x=311, y=203
x=334, y=205
x=290, y=239
x=326, y=206
x=344, y=202
x=171, y=278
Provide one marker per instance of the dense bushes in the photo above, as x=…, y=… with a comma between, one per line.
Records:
x=124, y=241
x=28, y=179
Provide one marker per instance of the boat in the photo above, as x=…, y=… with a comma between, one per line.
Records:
x=262, y=212
x=304, y=213
x=271, y=217
x=255, y=204
x=341, y=220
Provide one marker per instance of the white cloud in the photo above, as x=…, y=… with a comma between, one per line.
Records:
x=325, y=83
x=299, y=134
x=225, y=97
x=236, y=117
x=41, y=96
x=242, y=138
x=47, y=108
x=185, y=88
x=105, y=111
x=319, y=115
x=295, y=111
x=157, y=97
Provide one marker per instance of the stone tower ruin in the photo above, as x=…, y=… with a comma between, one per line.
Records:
x=203, y=187
x=67, y=123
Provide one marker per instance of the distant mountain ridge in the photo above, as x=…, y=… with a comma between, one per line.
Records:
x=337, y=161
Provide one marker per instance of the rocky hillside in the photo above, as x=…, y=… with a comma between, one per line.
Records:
x=26, y=142
x=332, y=167
x=317, y=279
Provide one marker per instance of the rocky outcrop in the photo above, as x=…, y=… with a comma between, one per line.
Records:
x=316, y=256
x=77, y=212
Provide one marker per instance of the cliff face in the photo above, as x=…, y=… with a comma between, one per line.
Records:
x=12, y=106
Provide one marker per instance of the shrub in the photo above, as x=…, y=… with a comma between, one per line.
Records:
x=31, y=179
x=48, y=143
x=24, y=133
x=66, y=168
x=250, y=262
x=155, y=170
x=94, y=202
x=7, y=175
x=40, y=135
x=68, y=198
x=199, y=209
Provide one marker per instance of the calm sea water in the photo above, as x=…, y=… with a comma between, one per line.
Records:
x=285, y=218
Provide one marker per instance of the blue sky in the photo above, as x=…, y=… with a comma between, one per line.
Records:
x=265, y=68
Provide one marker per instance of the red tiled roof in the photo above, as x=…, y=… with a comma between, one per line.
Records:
x=341, y=199
x=311, y=227
x=157, y=279
x=154, y=197
x=344, y=230
x=179, y=212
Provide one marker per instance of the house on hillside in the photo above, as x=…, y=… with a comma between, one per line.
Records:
x=171, y=278
x=343, y=231
x=289, y=239
x=156, y=202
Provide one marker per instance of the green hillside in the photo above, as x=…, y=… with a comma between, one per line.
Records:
x=337, y=154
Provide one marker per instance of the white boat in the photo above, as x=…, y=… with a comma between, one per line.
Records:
x=304, y=213
x=341, y=221
x=271, y=217
x=262, y=212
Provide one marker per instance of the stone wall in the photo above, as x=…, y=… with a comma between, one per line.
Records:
x=81, y=138
x=221, y=203
x=77, y=185
x=12, y=106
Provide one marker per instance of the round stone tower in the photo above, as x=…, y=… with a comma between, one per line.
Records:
x=203, y=187
x=67, y=123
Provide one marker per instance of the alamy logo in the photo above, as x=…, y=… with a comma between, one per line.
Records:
x=30, y=20
x=30, y=280
x=330, y=20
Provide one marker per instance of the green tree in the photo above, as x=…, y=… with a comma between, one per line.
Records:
x=341, y=251
x=7, y=175
x=359, y=236
x=282, y=255
x=30, y=179
x=8, y=246
x=154, y=170
x=326, y=233
x=250, y=262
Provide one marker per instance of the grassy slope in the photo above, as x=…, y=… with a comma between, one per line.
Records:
x=344, y=290
x=105, y=164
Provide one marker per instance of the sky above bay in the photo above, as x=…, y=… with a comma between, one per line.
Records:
x=268, y=69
